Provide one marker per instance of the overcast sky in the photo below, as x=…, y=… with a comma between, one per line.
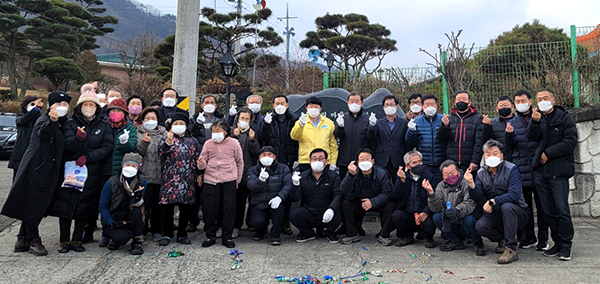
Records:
x=421, y=23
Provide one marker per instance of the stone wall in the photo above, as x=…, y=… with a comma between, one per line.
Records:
x=585, y=185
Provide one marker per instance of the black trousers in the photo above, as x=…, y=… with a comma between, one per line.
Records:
x=65, y=229
x=167, y=221
x=554, y=200
x=405, y=223
x=530, y=194
x=354, y=213
x=154, y=211
x=29, y=231
x=305, y=221
x=503, y=224
x=392, y=171
x=223, y=194
x=193, y=216
x=240, y=208
x=135, y=228
x=259, y=219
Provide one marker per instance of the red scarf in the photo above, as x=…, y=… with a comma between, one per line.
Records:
x=118, y=124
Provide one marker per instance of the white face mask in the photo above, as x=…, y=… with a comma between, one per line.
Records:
x=209, y=108
x=390, y=110
x=169, y=102
x=178, y=129
x=150, y=124
x=218, y=137
x=102, y=105
x=430, y=111
x=266, y=161
x=62, y=110
x=317, y=166
x=365, y=165
x=545, y=106
x=313, y=112
x=522, y=108
x=109, y=100
x=280, y=109
x=88, y=111
x=492, y=161
x=415, y=108
x=243, y=125
x=129, y=172
x=255, y=108
x=354, y=108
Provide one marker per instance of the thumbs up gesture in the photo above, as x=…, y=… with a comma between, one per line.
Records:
x=302, y=119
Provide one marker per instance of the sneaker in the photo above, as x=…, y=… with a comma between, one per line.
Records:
x=303, y=239
x=184, y=240
x=228, y=243
x=405, y=241
x=235, y=233
x=275, y=241
x=287, y=229
x=191, y=228
x=332, y=238
x=21, y=245
x=112, y=246
x=136, y=248
x=37, y=248
x=565, y=254
x=421, y=236
x=349, y=240
x=103, y=242
x=509, y=255
x=64, y=248
x=165, y=241
x=429, y=242
x=527, y=244
x=209, y=242
x=384, y=241
x=554, y=251
x=219, y=233
x=450, y=246
x=77, y=247
x=480, y=249
x=501, y=246
x=542, y=246
x=361, y=231
x=156, y=237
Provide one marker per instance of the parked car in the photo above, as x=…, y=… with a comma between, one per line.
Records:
x=8, y=133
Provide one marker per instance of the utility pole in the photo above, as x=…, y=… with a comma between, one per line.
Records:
x=238, y=42
x=289, y=32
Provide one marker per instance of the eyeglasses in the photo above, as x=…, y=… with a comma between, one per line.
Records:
x=318, y=159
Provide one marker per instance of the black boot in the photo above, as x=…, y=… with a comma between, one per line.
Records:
x=136, y=248
x=21, y=245
x=37, y=248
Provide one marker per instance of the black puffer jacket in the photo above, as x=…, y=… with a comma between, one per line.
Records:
x=271, y=136
x=497, y=131
x=352, y=137
x=522, y=148
x=279, y=184
x=379, y=192
x=25, y=123
x=558, y=140
x=464, y=136
x=319, y=196
x=199, y=130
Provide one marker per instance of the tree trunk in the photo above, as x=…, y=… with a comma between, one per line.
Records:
x=25, y=85
x=12, y=66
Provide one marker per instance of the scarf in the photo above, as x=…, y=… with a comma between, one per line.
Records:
x=118, y=124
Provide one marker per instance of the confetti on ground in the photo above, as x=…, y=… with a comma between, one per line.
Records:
x=364, y=248
x=235, y=253
x=175, y=253
x=474, y=277
x=448, y=272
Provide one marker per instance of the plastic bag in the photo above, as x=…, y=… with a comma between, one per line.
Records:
x=75, y=175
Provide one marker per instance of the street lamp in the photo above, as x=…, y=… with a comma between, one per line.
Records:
x=330, y=59
x=229, y=69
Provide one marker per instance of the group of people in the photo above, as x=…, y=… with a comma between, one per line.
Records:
x=463, y=173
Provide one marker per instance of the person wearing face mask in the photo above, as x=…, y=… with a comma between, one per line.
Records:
x=30, y=194
x=223, y=164
x=122, y=205
x=270, y=183
x=102, y=99
x=179, y=177
x=462, y=131
x=412, y=213
x=314, y=132
x=135, y=105
x=452, y=209
x=422, y=135
x=170, y=98
x=389, y=133
x=275, y=131
x=202, y=121
x=89, y=141
x=415, y=105
x=523, y=150
x=319, y=191
x=31, y=110
x=112, y=94
x=498, y=187
x=125, y=134
x=496, y=128
x=149, y=135
x=366, y=187
x=555, y=133
x=254, y=104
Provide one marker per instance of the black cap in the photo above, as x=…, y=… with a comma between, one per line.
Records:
x=267, y=149
x=57, y=97
x=180, y=116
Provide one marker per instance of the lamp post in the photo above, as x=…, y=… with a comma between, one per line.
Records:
x=330, y=59
x=229, y=69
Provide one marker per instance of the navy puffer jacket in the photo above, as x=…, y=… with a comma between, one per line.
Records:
x=522, y=148
x=426, y=141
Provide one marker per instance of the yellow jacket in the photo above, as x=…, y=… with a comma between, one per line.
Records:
x=310, y=138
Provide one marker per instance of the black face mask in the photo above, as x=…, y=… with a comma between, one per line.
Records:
x=417, y=170
x=504, y=112
x=462, y=106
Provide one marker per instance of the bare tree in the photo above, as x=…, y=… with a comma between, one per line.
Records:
x=139, y=64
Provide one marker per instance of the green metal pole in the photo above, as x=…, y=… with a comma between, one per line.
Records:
x=575, y=73
x=325, y=80
x=444, y=82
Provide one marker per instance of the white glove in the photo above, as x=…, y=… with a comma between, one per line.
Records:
x=233, y=111
x=302, y=119
x=275, y=202
x=328, y=215
x=269, y=118
x=412, y=125
x=124, y=137
x=332, y=167
x=263, y=174
x=372, y=119
x=201, y=119
x=340, y=120
x=296, y=178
